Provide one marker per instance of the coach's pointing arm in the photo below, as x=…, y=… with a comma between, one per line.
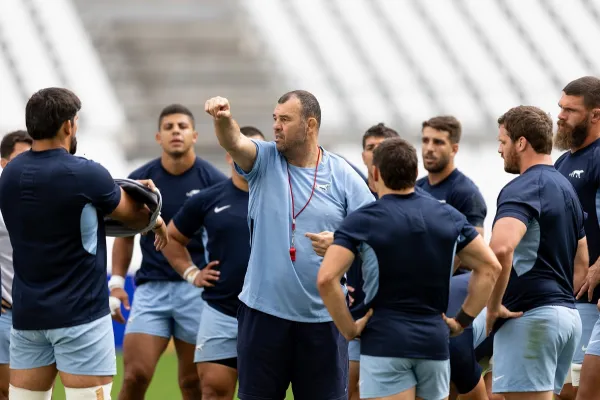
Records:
x=242, y=149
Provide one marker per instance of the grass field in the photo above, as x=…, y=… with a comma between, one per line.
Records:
x=163, y=385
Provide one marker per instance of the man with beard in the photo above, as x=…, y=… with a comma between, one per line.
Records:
x=538, y=236
x=298, y=192
x=223, y=212
x=164, y=305
x=440, y=142
x=578, y=133
x=54, y=205
x=441, y=137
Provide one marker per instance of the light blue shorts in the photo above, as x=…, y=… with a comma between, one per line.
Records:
x=589, y=315
x=387, y=376
x=217, y=336
x=87, y=349
x=533, y=353
x=166, y=309
x=354, y=350
x=593, y=347
x=5, y=327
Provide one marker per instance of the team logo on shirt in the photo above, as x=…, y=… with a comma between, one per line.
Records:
x=192, y=192
x=324, y=187
x=576, y=174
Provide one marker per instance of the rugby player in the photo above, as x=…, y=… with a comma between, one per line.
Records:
x=164, y=305
x=12, y=145
x=223, y=212
x=54, y=205
x=538, y=236
x=578, y=133
x=404, y=347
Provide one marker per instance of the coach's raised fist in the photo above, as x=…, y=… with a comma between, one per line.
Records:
x=218, y=107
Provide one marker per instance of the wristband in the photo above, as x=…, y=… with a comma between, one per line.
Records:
x=116, y=281
x=114, y=304
x=158, y=226
x=190, y=274
x=463, y=318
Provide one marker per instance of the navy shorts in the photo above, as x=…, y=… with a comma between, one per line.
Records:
x=274, y=352
x=465, y=371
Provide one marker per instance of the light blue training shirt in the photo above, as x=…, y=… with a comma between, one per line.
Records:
x=274, y=284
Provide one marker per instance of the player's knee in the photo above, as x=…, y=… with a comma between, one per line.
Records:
x=4, y=393
x=137, y=377
x=189, y=382
x=16, y=393
x=212, y=390
x=215, y=386
x=91, y=393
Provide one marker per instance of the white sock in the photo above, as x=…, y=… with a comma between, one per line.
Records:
x=16, y=393
x=91, y=393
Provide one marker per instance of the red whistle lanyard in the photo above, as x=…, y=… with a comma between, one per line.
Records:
x=294, y=216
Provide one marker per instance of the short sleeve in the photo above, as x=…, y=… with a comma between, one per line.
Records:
x=520, y=201
x=358, y=193
x=596, y=165
x=265, y=154
x=350, y=234
x=521, y=211
x=466, y=232
x=472, y=205
x=98, y=187
x=581, y=223
x=190, y=217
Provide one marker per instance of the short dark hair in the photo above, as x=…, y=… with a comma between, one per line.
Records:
x=310, y=104
x=587, y=87
x=378, y=131
x=7, y=146
x=175, y=109
x=48, y=109
x=531, y=123
x=397, y=162
x=445, y=123
x=251, y=131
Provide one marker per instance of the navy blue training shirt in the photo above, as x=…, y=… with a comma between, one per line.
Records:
x=582, y=169
x=223, y=211
x=175, y=190
x=460, y=192
x=542, y=273
x=407, y=244
x=54, y=205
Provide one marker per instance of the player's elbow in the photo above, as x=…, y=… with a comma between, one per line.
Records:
x=325, y=281
x=502, y=251
x=131, y=213
x=495, y=269
x=490, y=269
